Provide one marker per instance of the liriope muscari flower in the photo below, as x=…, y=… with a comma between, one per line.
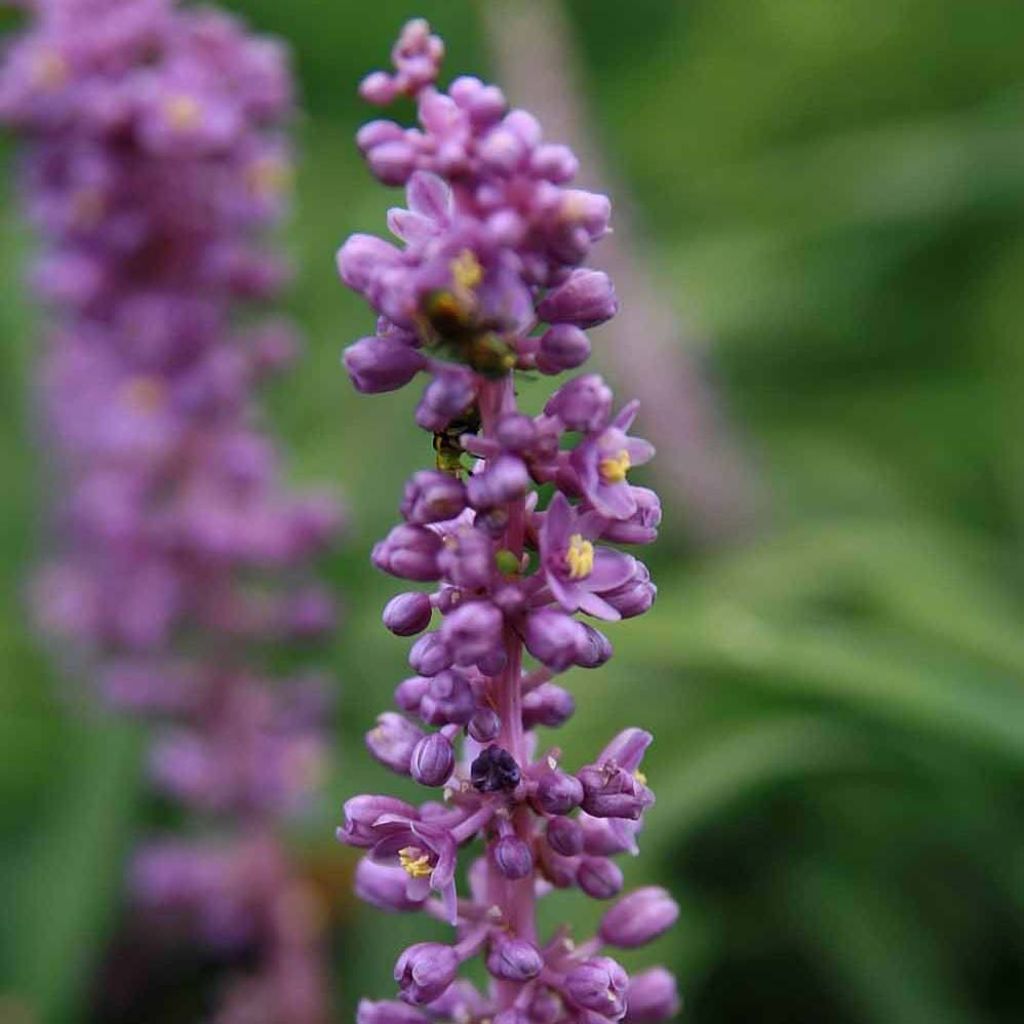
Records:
x=153, y=159
x=485, y=285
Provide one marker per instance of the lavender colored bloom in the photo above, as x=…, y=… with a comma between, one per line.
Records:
x=639, y=918
x=485, y=279
x=154, y=163
x=384, y=886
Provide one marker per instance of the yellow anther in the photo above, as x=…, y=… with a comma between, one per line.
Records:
x=579, y=557
x=466, y=270
x=640, y=777
x=49, y=70
x=146, y=394
x=414, y=862
x=614, y=469
x=183, y=112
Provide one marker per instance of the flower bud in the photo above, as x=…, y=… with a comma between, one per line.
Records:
x=596, y=648
x=642, y=526
x=556, y=163
x=362, y=257
x=599, y=877
x=433, y=760
x=431, y=497
x=472, y=631
x=502, y=481
x=449, y=701
x=583, y=404
x=377, y=365
x=373, y=133
x=425, y=970
x=562, y=347
x=409, y=693
x=558, y=793
x=548, y=705
x=384, y=886
x=635, y=596
x=467, y=559
x=565, y=836
x=407, y=614
x=448, y=394
x=515, y=431
x=485, y=725
x=429, y=655
x=613, y=792
x=599, y=984
x=409, y=552
x=494, y=770
x=552, y=637
x=586, y=299
x=392, y=741
x=639, y=918
x=391, y=163
x=387, y=1011
x=514, y=959
x=512, y=857
x=653, y=997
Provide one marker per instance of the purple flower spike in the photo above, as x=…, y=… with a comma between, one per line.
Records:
x=486, y=278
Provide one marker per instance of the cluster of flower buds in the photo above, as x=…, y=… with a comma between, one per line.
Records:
x=487, y=284
x=154, y=160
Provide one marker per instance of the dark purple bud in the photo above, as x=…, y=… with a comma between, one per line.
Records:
x=485, y=725
x=584, y=403
x=384, y=886
x=432, y=497
x=503, y=481
x=392, y=740
x=362, y=811
x=596, y=648
x=433, y=760
x=514, y=959
x=409, y=693
x=387, y=1011
x=407, y=614
x=599, y=877
x=558, y=793
x=613, y=792
x=558, y=870
x=430, y=655
x=653, y=997
x=409, y=552
x=376, y=365
x=548, y=705
x=472, y=630
x=447, y=395
x=639, y=918
x=449, y=701
x=512, y=857
x=425, y=970
x=635, y=596
x=494, y=770
x=553, y=637
x=642, y=526
x=565, y=836
x=599, y=984
x=586, y=299
x=562, y=347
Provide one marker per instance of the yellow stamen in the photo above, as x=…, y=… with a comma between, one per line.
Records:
x=640, y=777
x=49, y=70
x=579, y=557
x=466, y=270
x=414, y=862
x=146, y=394
x=614, y=469
x=183, y=112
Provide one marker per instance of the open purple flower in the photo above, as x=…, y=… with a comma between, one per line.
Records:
x=603, y=460
x=577, y=573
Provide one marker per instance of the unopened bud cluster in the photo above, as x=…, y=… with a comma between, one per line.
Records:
x=486, y=287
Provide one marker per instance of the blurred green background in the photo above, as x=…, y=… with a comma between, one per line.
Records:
x=833, y=190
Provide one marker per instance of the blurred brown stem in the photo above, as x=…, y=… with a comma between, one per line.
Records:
x=647, y=347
